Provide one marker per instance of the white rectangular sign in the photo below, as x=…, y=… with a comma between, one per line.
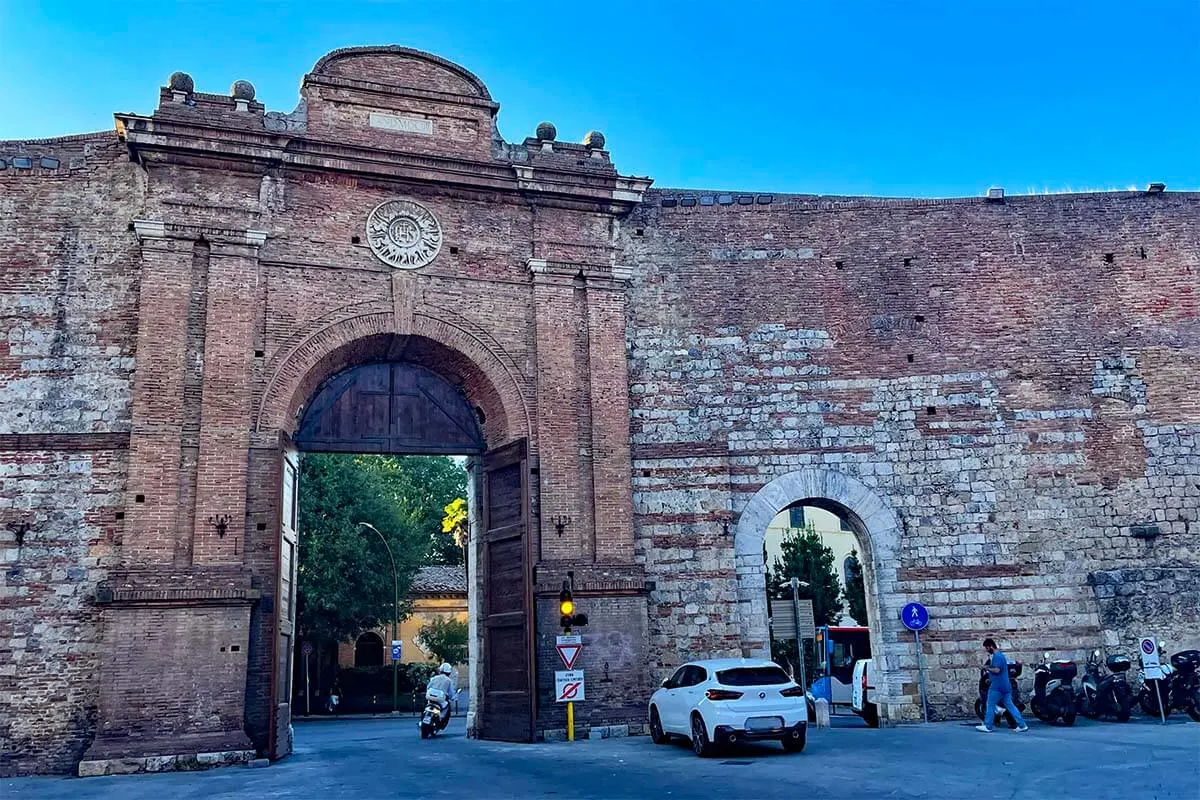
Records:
x=568, y=686
x=401, y=122
x=1148, y=650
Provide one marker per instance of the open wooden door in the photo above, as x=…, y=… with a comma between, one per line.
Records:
x=508, y=676
x=285, y=606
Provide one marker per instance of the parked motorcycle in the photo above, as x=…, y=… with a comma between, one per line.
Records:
x=1014, y=670
x=1177, y=689
x=1054, y=691
x=436, y=715
x=1105, y=695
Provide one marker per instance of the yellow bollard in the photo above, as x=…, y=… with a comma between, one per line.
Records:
x=570, y=722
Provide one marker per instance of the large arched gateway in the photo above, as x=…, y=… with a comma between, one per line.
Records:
x=999, y=393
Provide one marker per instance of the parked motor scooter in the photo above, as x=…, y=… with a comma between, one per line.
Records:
x=436, y=715
x=1185, y=685
x=1054, y=691
x=1014, y=671
x=1105, y=695
x=1178, y=688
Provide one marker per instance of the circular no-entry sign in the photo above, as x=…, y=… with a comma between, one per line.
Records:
x=915, y=617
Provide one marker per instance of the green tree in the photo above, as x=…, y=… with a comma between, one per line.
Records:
x=446, y=639
x=422, y=487
x=345, y=578
x=856, y=590
x=806, y=557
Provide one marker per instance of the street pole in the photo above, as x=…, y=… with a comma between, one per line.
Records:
x=395, y=617
x=921, y=672
x=799, y=636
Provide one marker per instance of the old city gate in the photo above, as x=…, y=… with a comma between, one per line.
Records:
x=373, y=273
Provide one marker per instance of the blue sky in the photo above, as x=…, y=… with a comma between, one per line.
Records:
x=889, y=98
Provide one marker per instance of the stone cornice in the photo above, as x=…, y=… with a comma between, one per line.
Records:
x=158, y=229
x=597, y=275
x=200, y=142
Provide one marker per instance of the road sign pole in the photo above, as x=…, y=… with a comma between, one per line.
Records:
x=921, y=672
x=570, y=722
x=799, y=635
x=307, y=687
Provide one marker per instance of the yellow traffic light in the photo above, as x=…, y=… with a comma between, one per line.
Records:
x=566, y=606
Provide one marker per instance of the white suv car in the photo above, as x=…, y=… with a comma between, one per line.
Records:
x=729, y=700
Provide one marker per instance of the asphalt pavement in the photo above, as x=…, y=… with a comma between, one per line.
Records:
x=384, y=758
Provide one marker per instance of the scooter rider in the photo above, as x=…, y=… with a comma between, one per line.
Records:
x=445, y=683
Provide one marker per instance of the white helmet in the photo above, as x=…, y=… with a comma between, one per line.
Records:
x=445, y=669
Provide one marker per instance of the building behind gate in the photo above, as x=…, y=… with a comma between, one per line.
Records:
x=998, y=394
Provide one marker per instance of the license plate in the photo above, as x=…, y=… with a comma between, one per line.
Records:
x=764, y=723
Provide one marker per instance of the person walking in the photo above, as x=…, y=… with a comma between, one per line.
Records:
x=999, y=689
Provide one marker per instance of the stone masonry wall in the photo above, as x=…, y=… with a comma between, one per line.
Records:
x=67, y=297
x=1016, y=380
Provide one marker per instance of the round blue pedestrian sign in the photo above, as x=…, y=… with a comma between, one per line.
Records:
x=915, y=617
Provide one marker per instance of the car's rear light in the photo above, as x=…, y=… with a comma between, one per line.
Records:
x=722, y=694
x=795, y=691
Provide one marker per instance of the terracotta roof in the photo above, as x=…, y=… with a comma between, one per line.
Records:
x=440, y=580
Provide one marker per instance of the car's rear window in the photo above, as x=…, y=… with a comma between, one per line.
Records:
x=752, y=676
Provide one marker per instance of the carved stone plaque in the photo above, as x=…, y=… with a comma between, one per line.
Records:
x=404, y=234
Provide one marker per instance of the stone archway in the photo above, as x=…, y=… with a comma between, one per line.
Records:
x=878, y=528
x=356, y=387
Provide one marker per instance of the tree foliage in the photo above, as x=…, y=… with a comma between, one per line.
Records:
x=805, y=556
x=446, y=638
x=345, y=578
x=454, y=521
x=856, y=590
x=422, y=487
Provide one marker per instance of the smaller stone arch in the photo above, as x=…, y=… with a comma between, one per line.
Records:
x=878, y=528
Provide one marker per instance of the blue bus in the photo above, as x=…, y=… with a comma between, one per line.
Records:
x=835, y=650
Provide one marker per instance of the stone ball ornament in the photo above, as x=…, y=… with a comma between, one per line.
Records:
x=546, y=132
x=594, y=140
x=181, y=82
x=404, y=234
x=242, y=90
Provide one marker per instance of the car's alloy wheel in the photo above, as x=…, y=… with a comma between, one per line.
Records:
x=657, y=734
x=700, y=743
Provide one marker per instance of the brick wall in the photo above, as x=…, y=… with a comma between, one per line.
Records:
x=1006, y=377
x=67, y=309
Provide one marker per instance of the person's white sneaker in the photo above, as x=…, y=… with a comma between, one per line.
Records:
x=983, y=728
x=1022, y=729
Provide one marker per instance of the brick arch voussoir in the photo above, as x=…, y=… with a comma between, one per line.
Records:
x=293, y=372
x=876, y=522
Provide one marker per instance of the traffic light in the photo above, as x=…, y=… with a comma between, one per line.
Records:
x=566, y=609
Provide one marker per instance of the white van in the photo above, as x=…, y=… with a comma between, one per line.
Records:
x=863, y=693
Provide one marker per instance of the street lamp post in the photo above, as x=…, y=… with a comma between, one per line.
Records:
x=395, y=617
x=796, y=584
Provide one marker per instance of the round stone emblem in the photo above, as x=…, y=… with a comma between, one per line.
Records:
x=404, y=234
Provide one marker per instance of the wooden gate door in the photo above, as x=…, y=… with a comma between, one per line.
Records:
x=508, y=682
x=285, y=601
